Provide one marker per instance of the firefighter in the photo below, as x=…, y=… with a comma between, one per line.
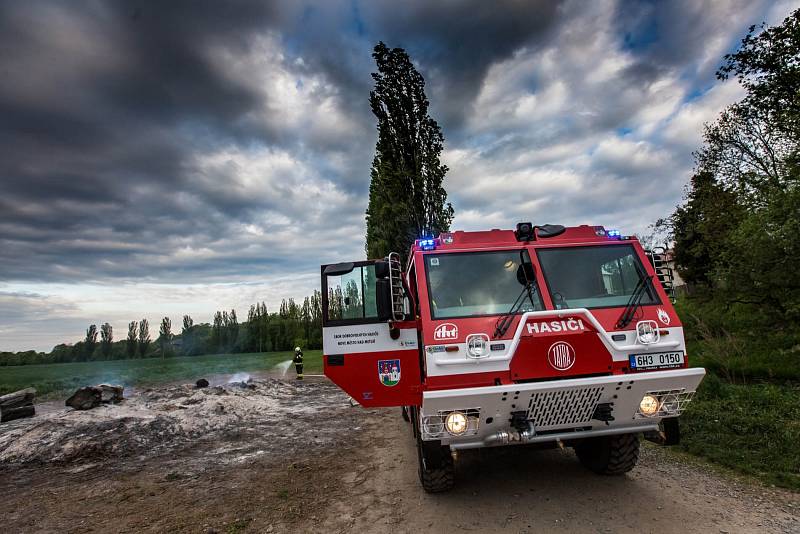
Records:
x=298, y=362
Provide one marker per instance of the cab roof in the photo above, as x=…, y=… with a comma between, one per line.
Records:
x=496, y=237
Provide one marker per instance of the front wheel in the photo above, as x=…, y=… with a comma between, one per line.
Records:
x=609, y=455
x=436, y=467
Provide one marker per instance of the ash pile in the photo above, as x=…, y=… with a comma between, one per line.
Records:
x=222, y=422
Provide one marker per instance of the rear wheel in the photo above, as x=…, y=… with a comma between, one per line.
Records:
x=436, y=467
x=609, y=455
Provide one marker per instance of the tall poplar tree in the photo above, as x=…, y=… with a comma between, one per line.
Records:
x=91, y=341
x=106, y=339
x=165, y=335
x=407, y=199
x=133, y=336
x=144, y=337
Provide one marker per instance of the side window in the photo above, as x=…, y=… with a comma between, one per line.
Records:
x=351, y=296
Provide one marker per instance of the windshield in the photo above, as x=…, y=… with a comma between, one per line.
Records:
x=476, y=283
x=593, y=277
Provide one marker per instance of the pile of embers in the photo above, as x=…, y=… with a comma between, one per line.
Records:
x=17, y=405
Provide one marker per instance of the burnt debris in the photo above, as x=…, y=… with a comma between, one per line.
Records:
x=17, y=405
x=90, y=397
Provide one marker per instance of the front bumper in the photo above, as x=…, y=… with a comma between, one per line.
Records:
x=557, y=409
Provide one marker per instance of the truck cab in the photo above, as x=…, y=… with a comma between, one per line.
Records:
x=542, y=334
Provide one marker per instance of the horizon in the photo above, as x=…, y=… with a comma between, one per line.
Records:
x=158, y=161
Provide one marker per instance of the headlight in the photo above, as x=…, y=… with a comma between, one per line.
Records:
x=647, y=332
x=670, y=404
x=649, y=405
x=456, y=423
x=477, y=345
x=432, y=425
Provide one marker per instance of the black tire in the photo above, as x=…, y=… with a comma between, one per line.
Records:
x=609, y=455
x=413, y=414
x=441, y=478
x=404, y=411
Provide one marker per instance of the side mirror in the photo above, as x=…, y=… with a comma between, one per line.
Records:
x=338, y=269
x=383, y=299
x=381, y=269
x=526, y=273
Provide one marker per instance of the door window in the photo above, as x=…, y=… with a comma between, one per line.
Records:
x=351, y=296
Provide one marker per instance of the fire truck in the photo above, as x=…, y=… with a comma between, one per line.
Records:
x=544, y=335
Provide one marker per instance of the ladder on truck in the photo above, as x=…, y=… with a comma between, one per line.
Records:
x=396, y=285
x=660, y=261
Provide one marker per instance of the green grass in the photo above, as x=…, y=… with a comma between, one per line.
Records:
x=52, y=380
x=753, y=429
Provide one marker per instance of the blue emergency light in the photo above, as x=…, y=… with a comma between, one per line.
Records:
x=426, y=244
x=614, y=234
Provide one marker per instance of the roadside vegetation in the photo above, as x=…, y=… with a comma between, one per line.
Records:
x=54, y=380
x=746, y=414
x=736, y=245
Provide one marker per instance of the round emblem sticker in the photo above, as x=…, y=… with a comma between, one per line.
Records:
x=561, y=356
x=663, y=316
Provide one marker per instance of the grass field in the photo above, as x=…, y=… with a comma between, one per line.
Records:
x=52, y=380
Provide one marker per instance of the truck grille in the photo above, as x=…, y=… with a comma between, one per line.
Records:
x=563, y=408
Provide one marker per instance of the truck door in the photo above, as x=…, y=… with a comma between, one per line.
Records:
x=375, y=361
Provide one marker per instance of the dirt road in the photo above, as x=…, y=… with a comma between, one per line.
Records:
x=330, y=467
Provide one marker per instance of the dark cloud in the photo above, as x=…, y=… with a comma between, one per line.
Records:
x=679, y=34
x=457, y=42
x=106, y=110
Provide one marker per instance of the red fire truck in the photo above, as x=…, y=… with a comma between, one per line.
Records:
x=541, y=335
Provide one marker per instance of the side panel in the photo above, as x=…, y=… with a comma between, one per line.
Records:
x=370, y=366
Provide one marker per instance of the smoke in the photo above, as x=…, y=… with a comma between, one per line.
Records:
x=239, y=377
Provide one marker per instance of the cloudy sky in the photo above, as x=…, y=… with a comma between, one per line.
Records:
x=162, y=158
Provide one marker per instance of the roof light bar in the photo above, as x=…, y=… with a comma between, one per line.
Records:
x=426, y=244
x=613, y=234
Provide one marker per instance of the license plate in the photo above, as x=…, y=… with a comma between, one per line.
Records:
x=656, y=360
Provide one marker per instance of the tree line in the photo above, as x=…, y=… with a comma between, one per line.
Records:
x=291, y=325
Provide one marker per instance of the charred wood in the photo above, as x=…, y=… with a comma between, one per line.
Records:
x=90, y=397
x=23, y=397
x=9, y=414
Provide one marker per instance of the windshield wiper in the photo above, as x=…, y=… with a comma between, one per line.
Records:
x=505, y=320
x=645, y=284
